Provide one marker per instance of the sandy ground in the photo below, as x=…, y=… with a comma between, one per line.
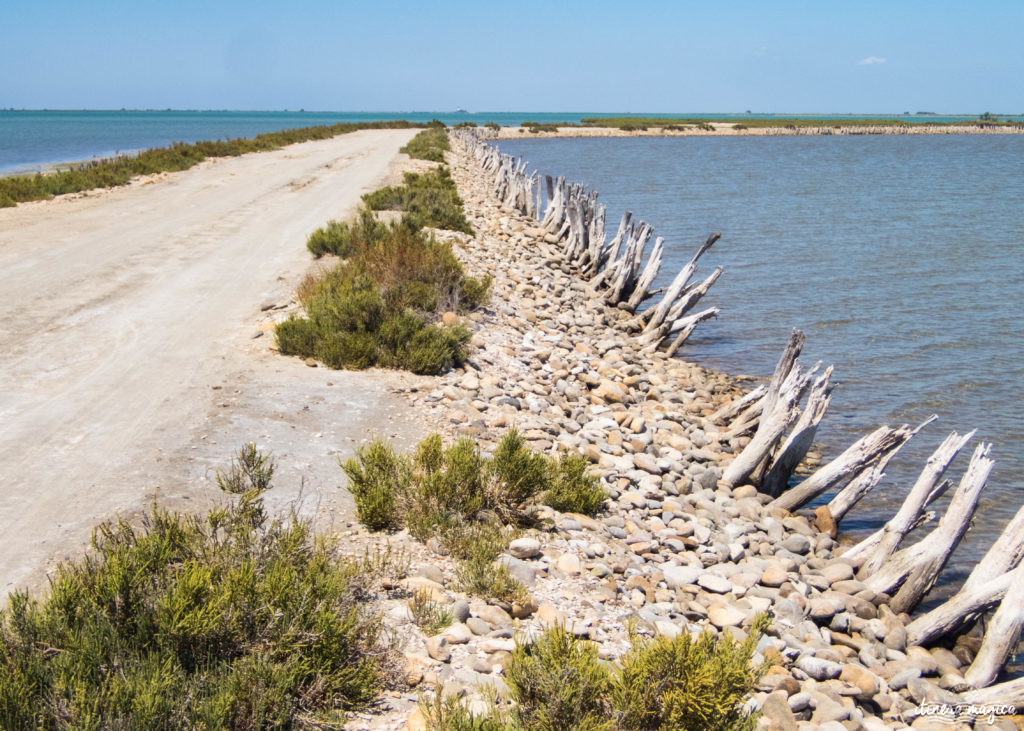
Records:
x=129, y=370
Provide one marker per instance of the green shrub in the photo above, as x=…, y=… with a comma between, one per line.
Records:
x=375, y=308
x=435, y=350
x=430, y=144
x=574, y=491
x=354, y=351
x=216, y=621
x=493, y=125
x=429, y=199
x=686, y=683
x=342, y=238
x=451, y=490
x=378, y=479
x=296, y=336
x=478, y=544
x=682, y=683
x=558, y=683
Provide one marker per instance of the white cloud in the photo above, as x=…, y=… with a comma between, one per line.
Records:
x=871, y=61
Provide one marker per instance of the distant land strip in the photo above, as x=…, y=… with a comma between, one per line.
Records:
x=671, y=126
x=115, y=171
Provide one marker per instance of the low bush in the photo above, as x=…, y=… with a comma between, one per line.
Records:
x=342, y=238
x=430, y=144
x=219, y=621
x=376, y=307
x=472, y=504
x=428, y=199
x=574, y=491
x=440, y=487
x=668, y=684
x=493, y=126
x=179, y=156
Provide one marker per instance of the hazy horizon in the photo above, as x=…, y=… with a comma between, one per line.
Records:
x=597, y=56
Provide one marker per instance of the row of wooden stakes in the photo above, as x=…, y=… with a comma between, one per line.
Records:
x=781, y=431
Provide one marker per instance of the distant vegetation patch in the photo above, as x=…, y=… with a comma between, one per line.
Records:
x=227, y=620
x=179, y=156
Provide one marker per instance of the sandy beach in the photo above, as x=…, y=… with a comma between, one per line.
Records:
x=130, y=357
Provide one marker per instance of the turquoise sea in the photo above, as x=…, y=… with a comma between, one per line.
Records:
x=34, y=139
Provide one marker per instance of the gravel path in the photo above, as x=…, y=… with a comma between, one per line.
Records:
x=128, y=362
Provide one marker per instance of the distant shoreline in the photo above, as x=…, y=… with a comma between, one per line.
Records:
x=728, y=130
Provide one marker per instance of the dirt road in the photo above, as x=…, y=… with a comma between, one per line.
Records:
x=128, y=366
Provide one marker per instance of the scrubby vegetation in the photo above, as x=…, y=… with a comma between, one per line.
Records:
x=220, y=621
x=536, y=127
x=344, y=238
x=428, y=615
x=380, y=306
x=428, y=199
x=430, y=144
x=179, y=156
x=558, y=682
x=471, y=503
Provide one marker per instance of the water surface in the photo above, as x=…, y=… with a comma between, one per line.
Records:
x=899, y=257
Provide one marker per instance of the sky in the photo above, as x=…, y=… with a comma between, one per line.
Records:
x=678, y=57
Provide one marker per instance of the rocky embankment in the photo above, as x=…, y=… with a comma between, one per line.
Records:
x=675, y=550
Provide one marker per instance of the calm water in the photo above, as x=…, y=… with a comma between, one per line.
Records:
x=30, y=140
x=901, y=258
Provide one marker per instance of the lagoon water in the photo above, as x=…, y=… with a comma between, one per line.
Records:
x=901, y=258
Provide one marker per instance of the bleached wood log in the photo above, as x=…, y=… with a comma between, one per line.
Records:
x=687, y=325
x=1002, y=634
x=986, y=585
x=785, y=364
x=625, y=279
x=731, y=409
x=646, y=278
x=690, y=297
x=1003, y=695
x=770, y=430
x=661, y=310
x=915, y=568
x=748, y=420
x=596, y=237
x=859, y=552
x=949, y=616
x=866, y=481
x=864, y=452
x=899, y=525
x=794, y=449
x=1005, y=553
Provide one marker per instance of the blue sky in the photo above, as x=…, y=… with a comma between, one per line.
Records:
x=863, y=57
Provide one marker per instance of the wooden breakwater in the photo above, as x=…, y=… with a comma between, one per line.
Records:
x=780, y=420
